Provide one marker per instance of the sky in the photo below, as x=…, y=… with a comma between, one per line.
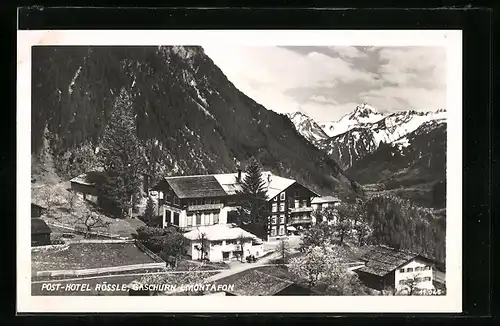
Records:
x=327, y=82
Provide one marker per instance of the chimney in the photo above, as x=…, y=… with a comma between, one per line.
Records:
x=238, y=167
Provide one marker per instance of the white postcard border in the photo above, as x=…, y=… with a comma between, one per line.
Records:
x=452, y=302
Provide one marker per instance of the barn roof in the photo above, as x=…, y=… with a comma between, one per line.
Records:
x=38, y=226
x=382, y=260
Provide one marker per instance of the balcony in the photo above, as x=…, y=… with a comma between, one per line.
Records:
x=304, y=209
x=300, y=220
x=206, y=207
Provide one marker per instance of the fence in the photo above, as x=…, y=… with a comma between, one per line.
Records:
x=97, y=271
x=148, y=252
x=83, y=231
x=58, y=247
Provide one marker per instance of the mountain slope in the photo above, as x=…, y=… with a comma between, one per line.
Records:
x=414, y=166
x=189, y=117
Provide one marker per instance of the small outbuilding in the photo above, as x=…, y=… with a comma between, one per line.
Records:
x=40, y=232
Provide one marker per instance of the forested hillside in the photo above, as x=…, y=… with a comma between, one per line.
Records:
x=189, y=118
x=413, y=167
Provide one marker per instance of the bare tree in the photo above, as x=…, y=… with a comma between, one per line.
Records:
x=71, y=199
x=91, y=221
x=47, y=196
x=283, y=249
x=202, y=237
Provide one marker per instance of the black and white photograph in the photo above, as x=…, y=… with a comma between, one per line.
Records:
x=190, y=165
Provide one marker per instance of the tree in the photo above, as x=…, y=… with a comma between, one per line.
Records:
x=149, y=212
x=319, y=235
x=242, y=239
x=91, y=221
x=363, y=231
x=283, y=249
x=71, y=199
x=346, y=217
x=202, y=247
x=121, y=156
x=252, y=206
x=47, y=196
x=168, y=243
x=325, y=270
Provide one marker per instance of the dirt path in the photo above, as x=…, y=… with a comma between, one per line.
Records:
x=264, y=261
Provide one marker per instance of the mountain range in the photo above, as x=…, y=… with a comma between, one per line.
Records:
x=190, y=119
x=403, y=150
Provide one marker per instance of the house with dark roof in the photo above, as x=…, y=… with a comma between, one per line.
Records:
x=202, y=200
x=319, y=203
x=36, y=210
x=387, y=267
x=262, y=282
x=40, y=232
x=85, y=185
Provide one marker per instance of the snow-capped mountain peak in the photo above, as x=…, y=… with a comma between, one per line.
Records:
x=307, y=127
x=361, y=131
x=362, y=114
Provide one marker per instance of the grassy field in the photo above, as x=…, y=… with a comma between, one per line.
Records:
x=89, y=255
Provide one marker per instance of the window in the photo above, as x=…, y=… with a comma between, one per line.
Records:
x=275, y=198
x=418, y=279
x=282, y=196
x=409, y=269
x=216, y=243
x=303, y=203
x=231, y=242
x=189, y=220
x=282, y=207
x=275, y=207
x=273, y=231
x=206, y=219
x=418, y=269
x=216, y=218
x=427, y=278
x=296, y=193
x=273, y=219
x=168, y=198
x=198, y=219
x=402, y=270
x=296, y=203
x=427, y=268
x=198, y=202
x=282, y=219
x=282, y=230
x=320, y=206
x=177, y=201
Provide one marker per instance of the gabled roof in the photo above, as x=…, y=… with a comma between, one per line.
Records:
x=196, y=186
x=382, y=260
x=88, y=178
x=38, y=226
x=324, y=199
x=218, y=232
x=227, y=184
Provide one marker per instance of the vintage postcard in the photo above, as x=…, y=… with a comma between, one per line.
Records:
x=292, y=171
